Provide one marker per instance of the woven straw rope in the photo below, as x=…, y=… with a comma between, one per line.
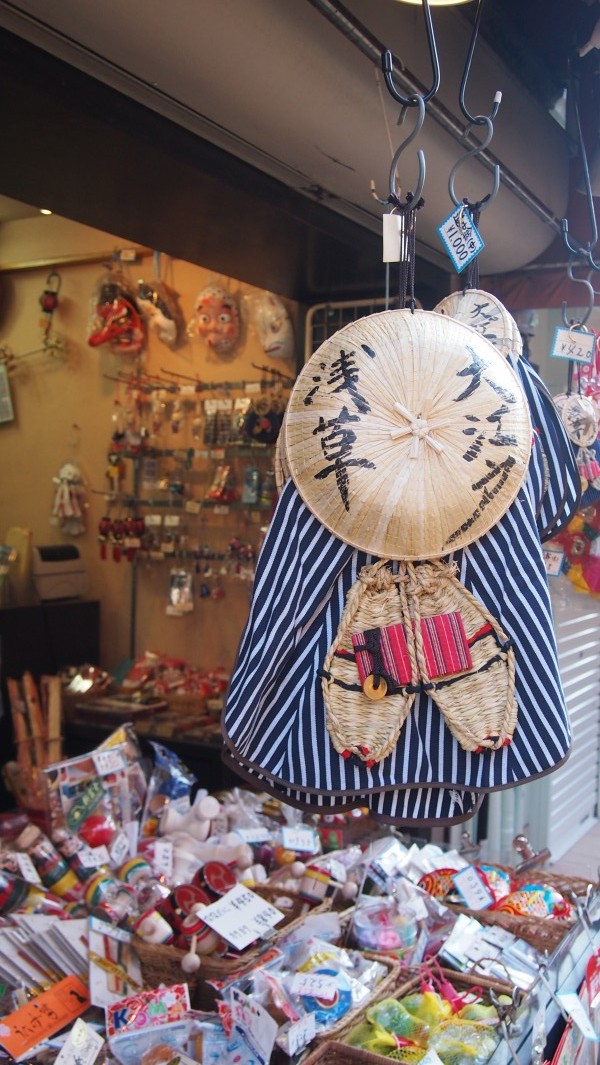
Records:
x=479, y=707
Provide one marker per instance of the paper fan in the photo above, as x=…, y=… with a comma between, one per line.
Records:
x=407, y=434
x=580, y=418
x=486, y=315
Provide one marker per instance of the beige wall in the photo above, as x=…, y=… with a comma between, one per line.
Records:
x=64, y=410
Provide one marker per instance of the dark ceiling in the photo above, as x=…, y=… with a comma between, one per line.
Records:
x=107, y=160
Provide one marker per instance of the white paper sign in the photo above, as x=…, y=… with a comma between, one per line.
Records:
x=255, y=1025
x=300, y=838
x=578, y=345
x=301, y=1033
x=241, y=917
x=108, y=761
x=468, y=883
x=119, y=849
x=162, y=857
x=27, y=869
x=82, y=1046
x=460, y=238
x=318, y=985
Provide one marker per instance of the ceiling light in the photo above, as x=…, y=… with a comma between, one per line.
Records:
x=45, y=210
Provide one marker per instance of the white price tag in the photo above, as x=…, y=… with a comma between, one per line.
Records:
x=301, y=1033
x=82, y=1046
x=162, y=858
x=108, y=761
x=241, y=917
x=252, y=386
x=221, y=509
x=100, y=855
x=575, y=344
x=192, y=506
x=172, y=520
x=300, y=838
x=460, y=238
x=574, y=1007
x=255, y=1025
x=254, y=834
x=119, y=849
x=318, y=985
x=474, y=892
x=152, y=520
x=553, y=561
x=27, y=869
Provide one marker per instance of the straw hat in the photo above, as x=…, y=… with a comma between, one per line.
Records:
x=486, y=315
x=407, y=434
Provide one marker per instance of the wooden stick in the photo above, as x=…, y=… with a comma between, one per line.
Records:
x=36, y=721
x=19, y=719
x=52, y=687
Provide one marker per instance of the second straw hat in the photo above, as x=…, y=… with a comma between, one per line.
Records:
x=407, y=434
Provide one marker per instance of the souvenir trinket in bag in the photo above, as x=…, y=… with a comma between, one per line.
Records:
x=160, y=308
x=274, y=326
x=216, y=319
x=115, y=317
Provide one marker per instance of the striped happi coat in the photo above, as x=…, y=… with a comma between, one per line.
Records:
x=274, y=724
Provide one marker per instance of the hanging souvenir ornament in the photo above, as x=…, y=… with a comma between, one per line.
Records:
x=69, y=505
x=49, y=300
x=580, y=419
x=216, y=319
x=484, y=313
x=274, y=326
x=161, y=312
x=115, y=318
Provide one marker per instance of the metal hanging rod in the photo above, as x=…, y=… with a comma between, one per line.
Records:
x=361, y=37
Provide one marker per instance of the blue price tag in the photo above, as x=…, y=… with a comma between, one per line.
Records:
x=460, y=238
x=575, y=344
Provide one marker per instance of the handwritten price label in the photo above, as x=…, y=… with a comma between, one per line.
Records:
x=471, y=887
x=300, y=838
x=460, y=238
x=241, y=917
x=318, y=985
x=108, y=762
x=578, y=345
x=301, y=1033
x=553, y=561
x=256, y=1026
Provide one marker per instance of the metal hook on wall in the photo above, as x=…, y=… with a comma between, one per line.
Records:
x=570, y=324
x=476, y=120
x=412, y=198
x=387, y=66
x=473, y=154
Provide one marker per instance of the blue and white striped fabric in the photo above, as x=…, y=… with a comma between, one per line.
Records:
x=274, y=723
x=561, y=498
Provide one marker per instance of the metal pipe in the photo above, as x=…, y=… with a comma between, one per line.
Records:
x=372, y=48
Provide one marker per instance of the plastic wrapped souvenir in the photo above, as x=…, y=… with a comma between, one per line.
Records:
x=216, y=319
x=274, y=327
x=161, y=312
x=115, y=317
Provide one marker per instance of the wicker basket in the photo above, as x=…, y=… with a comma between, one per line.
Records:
x=543, y=933
x=161, y=963
x=334, y=1051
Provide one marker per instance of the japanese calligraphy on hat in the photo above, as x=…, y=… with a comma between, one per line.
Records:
x=407, y=434
x=486, y=315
